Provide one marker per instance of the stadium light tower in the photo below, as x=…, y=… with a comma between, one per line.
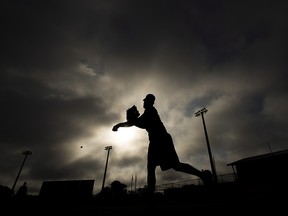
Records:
x=26, y=153
x=108, y=148
x=201, y=113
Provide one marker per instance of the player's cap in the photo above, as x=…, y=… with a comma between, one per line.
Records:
x=149, y=97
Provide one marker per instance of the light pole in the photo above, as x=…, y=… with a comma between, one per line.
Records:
x=106, y=148
x=198, y=113
x=26, y=153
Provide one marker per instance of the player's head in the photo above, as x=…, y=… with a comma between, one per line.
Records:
x=149, y=100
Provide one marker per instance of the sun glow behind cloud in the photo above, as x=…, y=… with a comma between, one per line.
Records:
x=126, y=138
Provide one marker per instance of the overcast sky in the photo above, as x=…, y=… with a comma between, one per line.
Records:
x=70, y=69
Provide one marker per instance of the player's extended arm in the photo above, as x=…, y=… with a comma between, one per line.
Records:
x=132, y=115
x=122, y=124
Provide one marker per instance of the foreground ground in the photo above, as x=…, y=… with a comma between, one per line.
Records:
x=225, y=199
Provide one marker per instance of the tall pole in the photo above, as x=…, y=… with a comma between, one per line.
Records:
x=106, y=148
x=131, y=183
x=135, y=181
x=198, y=113
x=26, y=153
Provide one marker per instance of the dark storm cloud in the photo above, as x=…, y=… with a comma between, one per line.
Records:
x=134, y=30
x=29, y=115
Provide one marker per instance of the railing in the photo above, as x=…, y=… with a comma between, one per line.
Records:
x=230, y=177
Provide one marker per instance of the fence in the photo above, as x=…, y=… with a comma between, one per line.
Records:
x=230, y=177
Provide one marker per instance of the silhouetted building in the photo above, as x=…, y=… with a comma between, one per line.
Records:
x=262, y=169
x=67, y=189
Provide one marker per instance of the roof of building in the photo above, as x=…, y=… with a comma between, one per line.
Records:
x=268, y=155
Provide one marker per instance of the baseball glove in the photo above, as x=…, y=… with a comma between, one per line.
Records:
x=132, y=114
